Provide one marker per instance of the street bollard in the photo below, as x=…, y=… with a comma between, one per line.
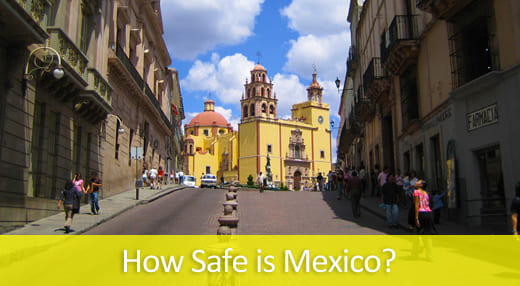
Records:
x=136, y=194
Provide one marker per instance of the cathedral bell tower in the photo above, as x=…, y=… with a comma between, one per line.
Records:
x=259, y=100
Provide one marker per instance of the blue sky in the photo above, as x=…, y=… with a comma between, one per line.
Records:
x=214, y=45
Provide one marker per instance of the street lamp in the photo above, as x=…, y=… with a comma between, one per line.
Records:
x=43, y=59
x=338, y=82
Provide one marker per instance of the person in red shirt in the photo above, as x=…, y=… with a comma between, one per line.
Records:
x=160, y=174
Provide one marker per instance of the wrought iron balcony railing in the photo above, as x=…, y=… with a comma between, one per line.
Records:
x=402, y=28
x=373, y=72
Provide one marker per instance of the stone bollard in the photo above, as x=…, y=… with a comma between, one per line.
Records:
x=228, y=219
x=224, y=230
x=230, y=196
x=232, y=203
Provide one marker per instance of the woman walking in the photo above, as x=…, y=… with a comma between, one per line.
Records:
x=69, y=198
x=423, y=212
x=79, y=185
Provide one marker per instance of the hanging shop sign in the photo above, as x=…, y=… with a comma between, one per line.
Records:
x=482, y=117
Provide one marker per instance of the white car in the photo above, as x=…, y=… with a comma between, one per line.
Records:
x=189, y=181
x=208, y=181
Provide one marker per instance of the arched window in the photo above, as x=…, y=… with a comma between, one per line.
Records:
x=248, y=93
x=269, y=93
x=297, y=152
x=263, y=77
x=245, y=111
x=271, y=109
x=264, y=108
x=252, y=108
x=262, y=92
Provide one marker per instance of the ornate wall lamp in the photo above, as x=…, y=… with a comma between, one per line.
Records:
x=44, y=59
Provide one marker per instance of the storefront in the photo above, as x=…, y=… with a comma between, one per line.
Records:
x=487, y=128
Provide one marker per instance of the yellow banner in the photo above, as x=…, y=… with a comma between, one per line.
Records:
x=259, y=260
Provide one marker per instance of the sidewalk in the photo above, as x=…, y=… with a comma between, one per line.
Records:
x=110, y=207
x=371, y=204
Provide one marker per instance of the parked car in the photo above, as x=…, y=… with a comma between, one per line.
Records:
x=208, y=181
x=189, y=181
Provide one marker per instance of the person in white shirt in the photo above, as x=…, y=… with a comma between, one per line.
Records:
x=152, y=174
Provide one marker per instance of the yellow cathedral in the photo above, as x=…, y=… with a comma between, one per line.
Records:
x=298, y=148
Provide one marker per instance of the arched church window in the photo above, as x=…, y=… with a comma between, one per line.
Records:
x=271, y=109
x=264, y=108
x=269, y=93
x=262, y=92
x=245, y=111
x=248, y=93
x=263, y=77
x=252, y=110
x=297, y=152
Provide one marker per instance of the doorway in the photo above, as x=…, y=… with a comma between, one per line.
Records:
x=493, y=209
x=297, y=180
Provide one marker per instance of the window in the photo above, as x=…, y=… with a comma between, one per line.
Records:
x=264, y=108
x=118, y=126
x=198, y=149
x=269, y=148
x=322, y=154
x=86, y=29
x=271, y=109
x=206, y=132
x=130, y=147
x=245, y=111
x=252, y=110
x=221, y=132
x=471, y=41
x=408, y=88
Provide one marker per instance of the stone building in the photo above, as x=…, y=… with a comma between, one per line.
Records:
x=67, y=102
x=433, y=92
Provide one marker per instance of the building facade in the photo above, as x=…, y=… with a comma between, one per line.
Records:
x=211, y=146
x=68, y=102
x=298, y=149
x=433, y=90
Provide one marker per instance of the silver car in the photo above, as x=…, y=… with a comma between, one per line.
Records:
x=189, y=181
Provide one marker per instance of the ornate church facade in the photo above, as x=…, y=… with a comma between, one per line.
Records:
x=298, y=148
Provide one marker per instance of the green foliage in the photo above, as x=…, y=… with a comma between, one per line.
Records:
x=283, y=187
x=250, y=180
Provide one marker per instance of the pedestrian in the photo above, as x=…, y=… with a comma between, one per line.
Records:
x=69, y=198
x=260, y=182
x=362, y=175
x=437, y=206
x=515, y=210
x=222, y=180
x=320, y=182
x=390, y=197
x=423, y=212
x=152, y=175
x=355, y=188
x=329, y=180
x=160, y=177
x=340, y=184
x=172, y=178
x=79, y=185
x=144, y=177
x=381, y=179
x=181, y=177
x=409, y=185
x=93, y=190
x=177, y=181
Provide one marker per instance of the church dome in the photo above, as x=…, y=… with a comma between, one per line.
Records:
x=209, y=117
x=259, y=67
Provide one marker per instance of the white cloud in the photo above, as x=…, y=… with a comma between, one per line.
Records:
x=224, y=77
x=228, y=115
x=322, y=17
x=327, y=53
x=196, y=26
x=288, y=91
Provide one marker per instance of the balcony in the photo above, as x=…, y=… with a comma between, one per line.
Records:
x=363, y=109
x=400, y=43
x=95, y=102
x=352, y=60
x=441, y=9
x=72, y=59
x=375, y=81
x=122, y=64
x=24, y=23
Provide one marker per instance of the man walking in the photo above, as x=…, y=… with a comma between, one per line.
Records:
x=390, y=197
x=355, y=188
x=260, y=182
